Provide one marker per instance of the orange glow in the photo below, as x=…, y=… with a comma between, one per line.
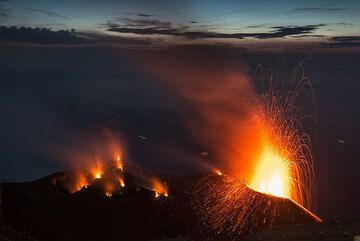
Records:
x=272, y=175
x=121, y=181
x=160, y=188
x=157, y=194
x=281, y=160
x=81, y=182
x=98, y=175
x=218, y=172
x=119, y=164
x=109, y=188
x=98, y=171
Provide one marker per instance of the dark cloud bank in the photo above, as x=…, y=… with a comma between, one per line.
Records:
x=154, y=26
x=316, y=9
x=47, y=36
x=148, y=28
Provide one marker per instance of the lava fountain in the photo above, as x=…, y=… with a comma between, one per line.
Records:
x=272, y=175
x=257, y=134
x=274, y=183
x=106, y=169
x=284, y=163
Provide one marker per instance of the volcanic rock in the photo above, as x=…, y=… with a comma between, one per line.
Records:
x=44, y=209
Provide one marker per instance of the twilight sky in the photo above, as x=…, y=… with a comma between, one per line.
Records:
x=54, y=94
x=238, y=23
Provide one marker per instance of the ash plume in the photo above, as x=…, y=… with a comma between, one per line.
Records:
x=218, y=99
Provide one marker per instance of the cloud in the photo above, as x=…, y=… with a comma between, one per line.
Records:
x=154, y=26
x=256, y=26
x=36, y=35
x=316, y=9
x=144, y=31
x=100, y=38
x=282, y=31
x=155, y=23
x=143, y=27
x=346, y=38
x=145, y=15
x=310, y=35
x=169, y=31
x=139, y=14
x=46, y=36
x=47, y=13
x=4, y=12
x=345, y=41
x=346, y=24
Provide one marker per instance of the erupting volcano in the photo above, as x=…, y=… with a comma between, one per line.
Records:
x=284, y=162
x=270, y=177
x=235, y=159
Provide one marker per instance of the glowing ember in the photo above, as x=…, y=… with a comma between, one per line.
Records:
x=157, y=194
x=272, y=174
x=119, y=164
x=163, y=192
x=160, y=188
x=121, y=181
x=218, y=172
x=230, y=207
x=98, y=171
x=98, y=175
x=80, y=182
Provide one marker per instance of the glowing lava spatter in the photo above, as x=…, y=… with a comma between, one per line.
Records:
x=121, y=181
x=218, y=172
x=271, y=156
x=272, y=174
x=284, y=164
x=98, y=172
x=159, y=187
x=119, y=164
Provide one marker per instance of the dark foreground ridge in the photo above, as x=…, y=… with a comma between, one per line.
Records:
x=45, y=211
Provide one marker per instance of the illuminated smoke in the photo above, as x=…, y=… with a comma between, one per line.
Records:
x=217, y=101
x=254, y=131
x=105, y=167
